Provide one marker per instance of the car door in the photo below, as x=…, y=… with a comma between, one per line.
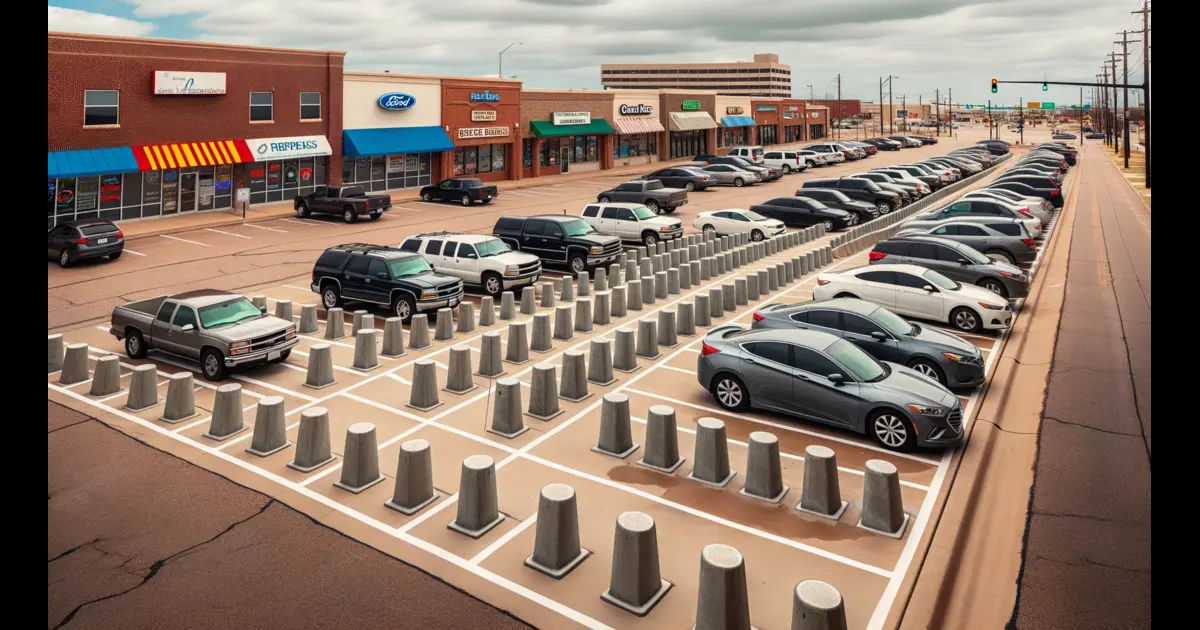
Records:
x=466, y=260
x=863, y=333
x=768, y=375
x=554, y=240
x=817, y=397
x=354, y=277
x=877, y=287
x=377, y=283
x=59, y=239
x=912, y=299
x=973, y=235
x=952, y=264
x=160, y=328
x=607, y=220
x=433, y=253
x=183, y=332
x=626, y=225
x=447, y=189
x=821, y=319
x=925, y=255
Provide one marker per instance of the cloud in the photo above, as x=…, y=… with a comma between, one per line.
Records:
x=75, y=21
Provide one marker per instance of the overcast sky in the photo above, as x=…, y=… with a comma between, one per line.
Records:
x=928, y=44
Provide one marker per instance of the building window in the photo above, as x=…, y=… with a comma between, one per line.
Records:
x=488, y=158
x=310, y=106
x=101, y=107
x=262, y=107
x=635, y=145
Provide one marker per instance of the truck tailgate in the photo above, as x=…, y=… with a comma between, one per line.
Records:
x=376, y=202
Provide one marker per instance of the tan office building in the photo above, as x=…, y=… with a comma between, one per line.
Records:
x=763, y=77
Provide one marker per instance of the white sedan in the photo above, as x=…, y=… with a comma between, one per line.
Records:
x=738, y=221
x=919, y=292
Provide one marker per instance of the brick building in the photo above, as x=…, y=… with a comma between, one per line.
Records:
x=567, y=130
x=140, y=128
x=483, y=119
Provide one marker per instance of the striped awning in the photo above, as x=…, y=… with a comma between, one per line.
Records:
x=692, y=121
x=218, y=152
x=628, y=126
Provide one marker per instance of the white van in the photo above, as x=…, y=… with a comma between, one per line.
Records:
x=752, y=154
x=786, y=161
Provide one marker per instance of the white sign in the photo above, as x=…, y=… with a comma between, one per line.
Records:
x=482, y=132
x=395, y=164
x=286, y=148
x=174, y=83
x=571, y=118
x=483, y=115
x=816, y=114
x=637, y=110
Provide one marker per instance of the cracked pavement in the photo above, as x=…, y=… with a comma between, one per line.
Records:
x=138, y=538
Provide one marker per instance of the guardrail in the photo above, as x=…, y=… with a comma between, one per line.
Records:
x=867, y=234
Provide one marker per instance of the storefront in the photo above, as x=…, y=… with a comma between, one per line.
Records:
x=691, y=129
x=638, y=128
x=284, y=168
x=567, y=131
x=793, y=118
x=482, y=120
x=737, y=124
x=393, y=136
x=766, y=120
x=818, y=122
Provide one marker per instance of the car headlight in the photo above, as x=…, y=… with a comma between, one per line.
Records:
x=953, y=358
x=510, y=270
x=991, y=307
x=1014, y=276
x=239, y=347
x=428, y=295
x=596, y=250
x=290, y=332
x=665, y=228
x=926, y=410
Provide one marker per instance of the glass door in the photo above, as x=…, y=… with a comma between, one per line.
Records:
x=187, y=192
x=564, y=157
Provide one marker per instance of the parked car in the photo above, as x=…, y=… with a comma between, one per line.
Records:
x=914, y=189
x=478, y=260
x=753, y=154
x=464, y=190
x=1005, y=240
x=765, y=173
x=1059, y=135
x=886, y=144
x=631, y=222
x=402, y=282
x=1053, y=195
x=559, y=240
x=815, y=158
x=954, y=260
x=995, y=147
x=860, y=190
x=827, y=149
x=785, y=161
x=851, y=152
x=220, y=330
x=1037, y=180
x=978, y=208
x=915, y=291
x=803, y=212
x=934, y=183
x=867, y=148
x=649, y=193
x=1015, y=198
x=926, y=139
x=1032, y=206
x=941, y=356
x=1095, y=135
x=674, y=177
x=906, y=141
x=351, y=202
x=834, y=198
x=738, y=221
x=727, y=175
x=72, y=241
x=823, y=378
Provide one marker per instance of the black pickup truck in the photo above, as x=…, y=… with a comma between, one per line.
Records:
x=400, y=281
x=464, y=190
x=352, y=202
x=558, y=239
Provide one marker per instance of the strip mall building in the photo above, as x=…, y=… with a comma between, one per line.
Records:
x=143, y=128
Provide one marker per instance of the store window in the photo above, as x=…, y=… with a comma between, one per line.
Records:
x=262, y=106
x=488, y=158
x=635, y=145
x=387, y=172
x=310, y=106
x=281, y=180
x=768, y=134
x=527, y=152
x=732, y=137
x=101, y=107
x=129, y=196
x=688, y=143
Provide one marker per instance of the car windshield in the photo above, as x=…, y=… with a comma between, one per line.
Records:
x=862, y=366
x=974, y=256
x=892, y=322
x=491, y=248
x=753, y=216
x=578, y=227
x=941, y=281
x=230, y=312
x=642, y=213
x=410, y=266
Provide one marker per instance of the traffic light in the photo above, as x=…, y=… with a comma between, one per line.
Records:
x=995, y=86
x=1045, y=87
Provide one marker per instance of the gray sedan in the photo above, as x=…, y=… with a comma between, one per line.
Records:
x=951, y=360
x=998, y=239
x=821, y=377
x=955, y=261
x=727, y=175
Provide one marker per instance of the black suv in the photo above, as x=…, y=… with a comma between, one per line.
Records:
x=403, y=282
x=860, y=190
x=834, y=198
x=559, y=239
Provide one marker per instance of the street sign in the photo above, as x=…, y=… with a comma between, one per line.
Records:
x=1047, y=105
x=1033, y=105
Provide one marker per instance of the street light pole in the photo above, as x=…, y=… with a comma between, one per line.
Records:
x=500, y=59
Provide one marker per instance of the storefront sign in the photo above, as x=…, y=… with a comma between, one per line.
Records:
x=151, y=187
x=816, y=114
x=87, y=194
x=224, y=181
x=284, y=148
x=290, y=176
x=788, y=115
x=793, y=108
x=482, y=132
x=397, y=101
x=571, y=118
x=110, y=188
x=636, y=110
x=395, y=164
x=66, y=196
x=274, y=175
x=306, y=175
x=485, y=97
x=175, y=83
x=690, y=105
x=483, y=115
x=766, y=108
x=733, y=111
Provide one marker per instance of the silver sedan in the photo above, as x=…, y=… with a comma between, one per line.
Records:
x=727, y=175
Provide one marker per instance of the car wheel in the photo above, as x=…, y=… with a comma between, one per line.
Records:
x=786, y=169
x=810, y=163
x=578, y=264
x=730, y=392
x=883, y=208
x=756, y=235
x=846, y=295
x=928, y=369
x=966, y=320
x=690, y=187
x=426, y=197
x=652, y=205
x=466, y=200
x=114, y=256
x=737, y=181
x=1000, y=255
x=349, y=215
x=855, y=219
x=995, y=286
x=404, y=307
x=64, y=258
x=650, y=239
x=828, y=225
x=212, y=365
x=135, y=345
x=710, y=230
x=302, y=210
x=892, y=431
x=331, y=297
x=603, y=200
x=493, y=284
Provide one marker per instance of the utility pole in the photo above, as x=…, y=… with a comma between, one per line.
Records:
x=1104, y=103
x=839, y=106
x=1081, y=116
x=937, y=108
x=891, y=107
x=1021, y=125
x=989, y=119
x=881, y=106
x=1146, y=77
x=904, y=108
x=1112, y=59
x=1125, y=41
x=950, y=111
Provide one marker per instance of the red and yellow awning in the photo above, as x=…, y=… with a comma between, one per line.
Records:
x=185, y=154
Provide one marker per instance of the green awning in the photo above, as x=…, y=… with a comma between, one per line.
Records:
x=547, y=129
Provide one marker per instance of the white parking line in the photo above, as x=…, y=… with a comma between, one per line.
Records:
x=503, y=540
x=672, y=367
x=259, y=227
x=183, y=240
x=298, y=222
x=226, y=233
x=130, y=251
x=406, y=208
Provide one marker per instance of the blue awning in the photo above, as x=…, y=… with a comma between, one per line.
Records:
x=394, y=140
x=90, y=162
x=737, y=121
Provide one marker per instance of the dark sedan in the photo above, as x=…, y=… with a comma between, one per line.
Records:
x=862, y=210
x=73, y=241
x=680, y=178
x=466, y=190
x=803, y=212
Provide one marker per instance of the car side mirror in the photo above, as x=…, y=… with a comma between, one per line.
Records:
x=929, y=289
x=879, y=336
x=187, y=328
x=836, y=379
x=262, y=309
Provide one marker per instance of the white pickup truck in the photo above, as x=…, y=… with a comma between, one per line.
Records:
x=481, y=260
x=631, y=222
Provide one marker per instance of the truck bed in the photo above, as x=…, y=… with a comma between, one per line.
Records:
x=145, y=307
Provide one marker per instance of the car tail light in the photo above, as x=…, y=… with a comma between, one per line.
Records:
x=1028, y=241
x=706, y=349
x=822, y=282
x=1025, y=211
x=757, y=317
x=1055, y=192
x=120, y=234
x=83, y=240
x=876, y=256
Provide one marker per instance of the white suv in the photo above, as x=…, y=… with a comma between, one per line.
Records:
x=754, y=154
x=786, y=161
x=478, y=259
x=631, y=222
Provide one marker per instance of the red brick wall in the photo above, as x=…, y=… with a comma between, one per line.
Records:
x=81, y=62
x=540, y=105
x=456, y=114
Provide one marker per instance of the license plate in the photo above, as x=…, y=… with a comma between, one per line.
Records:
x=453, y=302
x=271, y=356
x=101, y=241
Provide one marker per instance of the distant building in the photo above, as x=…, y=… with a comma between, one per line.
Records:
x=763, y=77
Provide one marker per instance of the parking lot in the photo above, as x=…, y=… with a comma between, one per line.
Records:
x=780, y=544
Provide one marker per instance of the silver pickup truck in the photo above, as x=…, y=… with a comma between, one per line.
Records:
x=220, y=330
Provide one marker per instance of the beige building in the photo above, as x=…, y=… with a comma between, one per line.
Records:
x=914, y=111
x=763, y=77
